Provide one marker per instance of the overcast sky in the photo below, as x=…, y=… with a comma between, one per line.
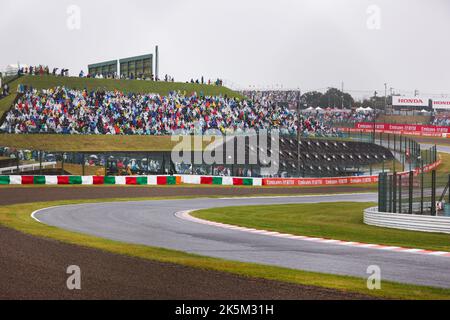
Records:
x=307, y=44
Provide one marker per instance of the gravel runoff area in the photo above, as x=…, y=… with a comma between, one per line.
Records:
x=35, y=268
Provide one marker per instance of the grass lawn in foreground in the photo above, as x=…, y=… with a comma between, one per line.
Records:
x=339, y=221
x=18, y=217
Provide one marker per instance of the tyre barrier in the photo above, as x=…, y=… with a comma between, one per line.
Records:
x=129, y=180
x=407, y=221
x=195, y=180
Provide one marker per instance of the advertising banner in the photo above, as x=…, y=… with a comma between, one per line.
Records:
x=286, y=182
x=410, y=101
x=410, y=129
x=441, y=104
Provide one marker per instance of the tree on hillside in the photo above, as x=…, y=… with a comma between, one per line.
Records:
x=335, y=98
x=312, y=99
x=377, y=102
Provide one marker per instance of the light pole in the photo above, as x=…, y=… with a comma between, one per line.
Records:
x=385, y=98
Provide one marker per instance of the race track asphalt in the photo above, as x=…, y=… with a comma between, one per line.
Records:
x=154, y=223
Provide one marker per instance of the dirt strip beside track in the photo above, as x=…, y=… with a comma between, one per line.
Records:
x=35, y=268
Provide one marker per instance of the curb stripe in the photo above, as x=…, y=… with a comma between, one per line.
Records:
x=186, y=215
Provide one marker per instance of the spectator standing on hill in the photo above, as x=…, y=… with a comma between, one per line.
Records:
x=5, y=90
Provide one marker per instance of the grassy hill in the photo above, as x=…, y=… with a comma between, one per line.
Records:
x=6, y=103
x=99, y=143
x=163, y=88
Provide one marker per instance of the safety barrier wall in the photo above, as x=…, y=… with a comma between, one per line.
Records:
x=319, y=181
x=132, y=180
x=188, y=179
x=286, y=182
x=406, y=221
x=402, y=129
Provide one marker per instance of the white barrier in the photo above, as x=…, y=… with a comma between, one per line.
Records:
x=87, y=180
x=27, y=167
x=51, y=180
x=406, y=221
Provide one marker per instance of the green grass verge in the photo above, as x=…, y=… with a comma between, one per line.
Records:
x=339, y=221
x=134, y=86
x=81, y=143
x=6, y=103
x=444, y=168
x=18, y=217
x=92, y=143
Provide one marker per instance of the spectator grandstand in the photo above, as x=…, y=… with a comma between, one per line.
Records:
x=441, y=119
x=328, y=158
x=66, y=111
x=287, y=98
x=338, y=116
x=329, y=116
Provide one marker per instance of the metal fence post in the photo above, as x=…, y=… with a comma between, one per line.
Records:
x=82, y=165
x=105, y=159
x=380, y=189
x=433, y=193
x=17, y=162
x=389, y=194
x=40, y=162
x=403, y=161
x=421, y=187
x=400, y=193
x=394, y=192
x=62, y=164
x=401, y=144
x=449, y=188
x=411, y=185
x=395, y=143
x=435, y=153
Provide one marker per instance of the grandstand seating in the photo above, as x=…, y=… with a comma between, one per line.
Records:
x=322, y=158
x=329, y=158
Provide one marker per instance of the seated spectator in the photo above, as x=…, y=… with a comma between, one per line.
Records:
x=66, y=111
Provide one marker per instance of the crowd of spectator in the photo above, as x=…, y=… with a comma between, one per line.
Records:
x=42, y=70
x=66, y=111
x=132, y=76
x=442, y=119
x=288, y=97
x=291, y=98
x=337, y=116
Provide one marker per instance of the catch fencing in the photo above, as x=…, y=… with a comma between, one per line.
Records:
x=414, y=192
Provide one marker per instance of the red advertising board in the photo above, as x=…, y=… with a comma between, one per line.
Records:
x=313, y=182
x=286, y=182
x=411, y=129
